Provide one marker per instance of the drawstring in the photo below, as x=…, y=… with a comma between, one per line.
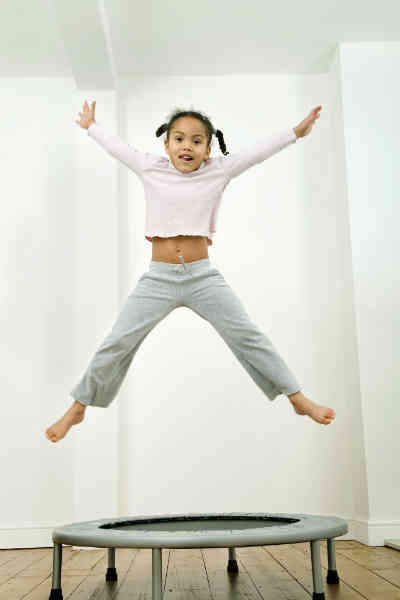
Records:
x=183, y=262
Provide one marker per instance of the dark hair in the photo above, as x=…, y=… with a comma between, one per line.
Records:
x=178, y=113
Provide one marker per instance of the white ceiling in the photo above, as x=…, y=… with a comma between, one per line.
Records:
x=99, y=41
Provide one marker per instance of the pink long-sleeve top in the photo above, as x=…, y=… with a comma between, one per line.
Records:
x=186, y=203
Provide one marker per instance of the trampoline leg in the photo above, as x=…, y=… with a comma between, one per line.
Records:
x=318, y=593
x=111, y=574
x=232, y=562
x=56, y=592
x=156, y=574
x=332, y=576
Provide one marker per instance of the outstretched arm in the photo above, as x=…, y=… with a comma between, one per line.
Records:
x=113, y=144
x=237, y=163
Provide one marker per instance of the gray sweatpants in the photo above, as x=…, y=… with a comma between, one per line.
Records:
x=164, y=287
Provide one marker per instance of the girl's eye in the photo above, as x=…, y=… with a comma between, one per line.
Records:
x=196, y=142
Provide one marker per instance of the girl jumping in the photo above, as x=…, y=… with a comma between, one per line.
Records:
x=183, y=194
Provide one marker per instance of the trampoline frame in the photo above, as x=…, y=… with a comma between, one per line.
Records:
x=295, y=528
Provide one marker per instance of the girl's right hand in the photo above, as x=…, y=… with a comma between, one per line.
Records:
x=87, y=117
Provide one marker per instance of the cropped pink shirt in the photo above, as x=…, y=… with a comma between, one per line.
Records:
x=186, y=203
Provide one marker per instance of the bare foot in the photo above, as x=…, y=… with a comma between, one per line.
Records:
x=75, y=414
x=304, y=406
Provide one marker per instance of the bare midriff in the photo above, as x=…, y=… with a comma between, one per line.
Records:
x=191, y=247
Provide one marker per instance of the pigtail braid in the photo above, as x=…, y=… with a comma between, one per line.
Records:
x=162, y=129
x=221, y=141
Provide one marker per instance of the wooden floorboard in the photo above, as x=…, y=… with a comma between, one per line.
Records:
x=271, y=578
x=186, y=577
x=279, y=572
x=223, y=584
x=362, y=569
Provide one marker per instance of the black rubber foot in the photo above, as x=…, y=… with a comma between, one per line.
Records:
x=111, y=574
x=332, y=576
x=320, y=596
x=56, y=594
x=232, y=566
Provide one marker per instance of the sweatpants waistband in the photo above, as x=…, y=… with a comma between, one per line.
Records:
x=193, y=266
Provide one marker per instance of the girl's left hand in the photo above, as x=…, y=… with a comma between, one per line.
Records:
x=305, y=126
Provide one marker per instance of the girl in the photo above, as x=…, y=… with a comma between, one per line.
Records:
x=182, y=200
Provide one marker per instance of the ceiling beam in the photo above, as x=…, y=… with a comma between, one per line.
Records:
x=84, y=27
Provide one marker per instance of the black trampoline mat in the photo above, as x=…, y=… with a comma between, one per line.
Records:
x=197, y=524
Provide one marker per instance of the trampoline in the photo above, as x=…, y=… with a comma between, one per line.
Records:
x=223, y=530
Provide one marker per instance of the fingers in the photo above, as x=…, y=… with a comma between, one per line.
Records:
x=88, y=112
x=314, y=114
x=86, y=105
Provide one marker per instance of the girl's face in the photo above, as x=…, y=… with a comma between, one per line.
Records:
x=187, y=137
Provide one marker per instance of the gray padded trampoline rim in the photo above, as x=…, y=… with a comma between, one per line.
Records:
x=310, y=527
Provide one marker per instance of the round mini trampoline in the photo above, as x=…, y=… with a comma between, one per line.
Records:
x=223, y=530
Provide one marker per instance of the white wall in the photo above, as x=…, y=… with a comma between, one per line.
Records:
x=346, y=365
x=38, y=309
x=190, y=431
x=371, y=99
x=59, y=282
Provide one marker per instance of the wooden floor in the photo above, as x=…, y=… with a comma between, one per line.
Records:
x=281, y=572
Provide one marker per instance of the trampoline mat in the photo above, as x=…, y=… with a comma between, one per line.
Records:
x=196, y=524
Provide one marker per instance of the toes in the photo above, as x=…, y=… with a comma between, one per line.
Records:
x=51, y=436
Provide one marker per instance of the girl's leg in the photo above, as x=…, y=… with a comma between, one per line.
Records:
x=215, y=301
x=153, y=298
